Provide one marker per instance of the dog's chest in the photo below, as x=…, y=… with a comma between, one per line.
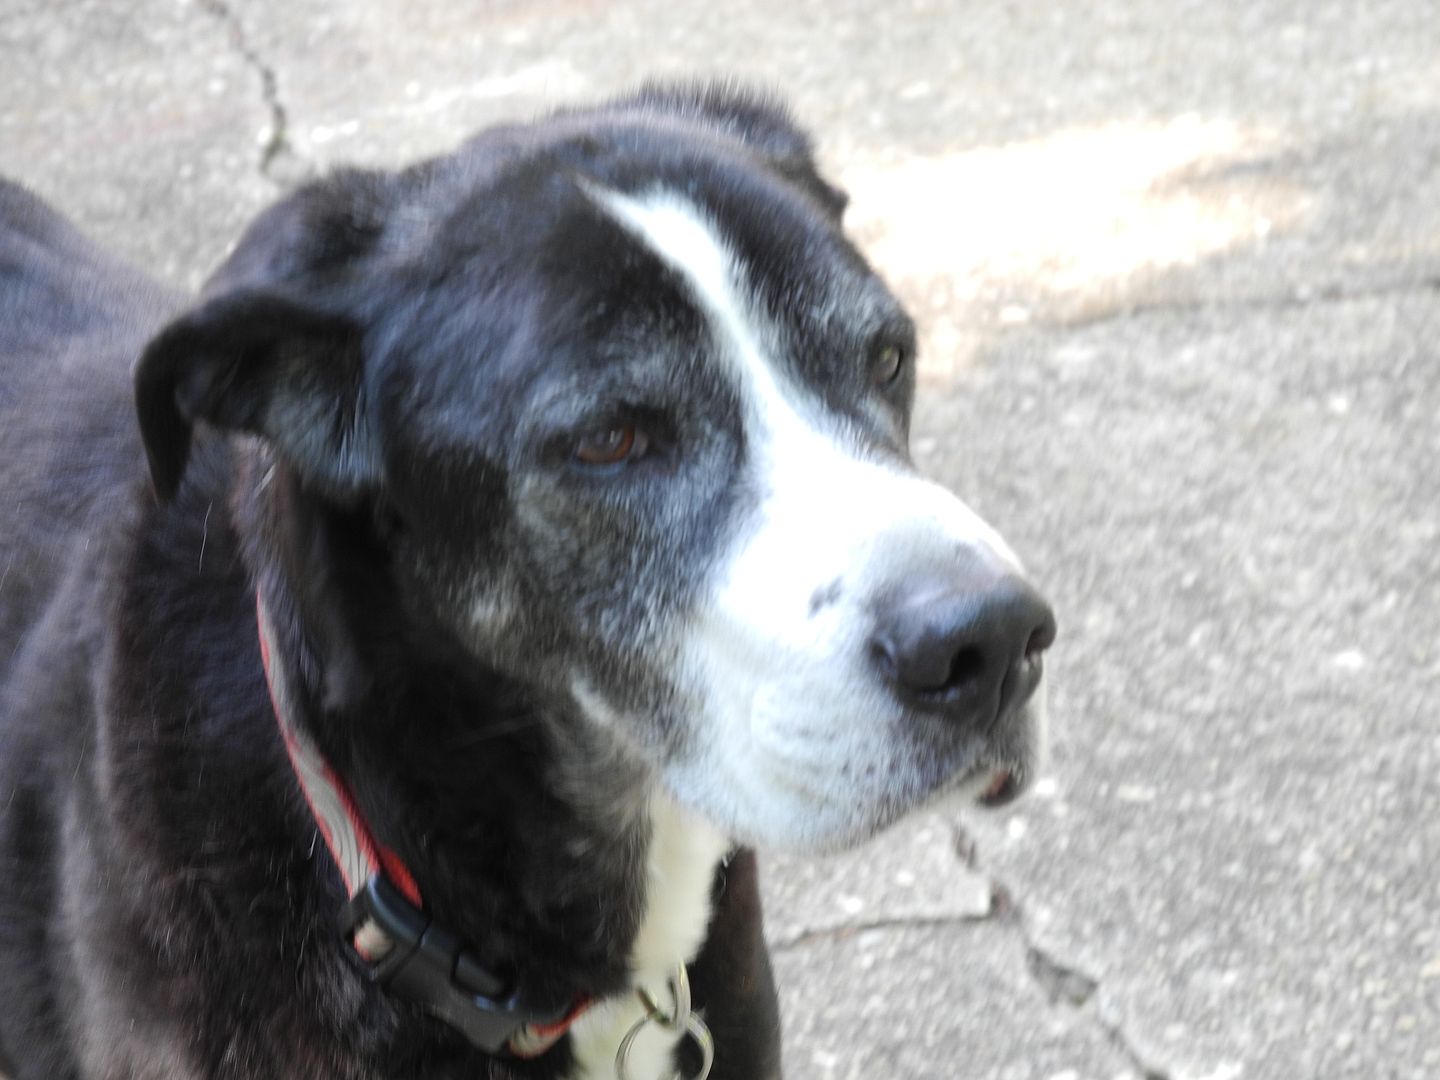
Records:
x=680, y=865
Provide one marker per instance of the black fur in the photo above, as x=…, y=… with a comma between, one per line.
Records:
x=165, y=909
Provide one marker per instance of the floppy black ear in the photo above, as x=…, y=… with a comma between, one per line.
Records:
x=758, y=118
x=258, y=362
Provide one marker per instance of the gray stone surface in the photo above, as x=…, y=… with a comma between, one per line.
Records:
x=934, y=1002
x=922, y=871
x=1241, y=842
x=142, y=120
x=1178, y=265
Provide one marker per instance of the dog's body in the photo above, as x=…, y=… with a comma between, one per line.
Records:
x=571, y=471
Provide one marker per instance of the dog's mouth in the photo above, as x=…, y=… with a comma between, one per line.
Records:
x=1003, y=787
x=1017, y=750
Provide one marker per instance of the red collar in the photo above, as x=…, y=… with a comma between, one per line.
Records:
x=385, y=918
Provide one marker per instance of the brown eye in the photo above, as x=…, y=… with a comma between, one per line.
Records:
x=888, y=363
x=612, y=446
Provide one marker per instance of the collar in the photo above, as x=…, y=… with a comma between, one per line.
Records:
x=385, y=921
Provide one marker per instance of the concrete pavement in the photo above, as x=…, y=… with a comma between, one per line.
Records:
x=1178, y=265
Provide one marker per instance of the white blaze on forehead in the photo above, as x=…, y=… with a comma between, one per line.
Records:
x=776, y=656
x=675, y=230
x=777, y=414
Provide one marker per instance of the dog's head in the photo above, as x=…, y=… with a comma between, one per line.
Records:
x=635, y=412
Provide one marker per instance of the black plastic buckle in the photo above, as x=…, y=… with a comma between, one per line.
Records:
x=431, y=967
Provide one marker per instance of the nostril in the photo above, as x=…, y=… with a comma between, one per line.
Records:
x=883, y=653
x=930, y=672
x=1041, y=638
x=967, y=668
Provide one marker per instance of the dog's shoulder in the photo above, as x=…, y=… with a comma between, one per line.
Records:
x=72, y=320
x=25, y=218
x=56, y=285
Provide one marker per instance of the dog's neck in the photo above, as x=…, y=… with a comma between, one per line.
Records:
x=552, y=853
x=468, y=790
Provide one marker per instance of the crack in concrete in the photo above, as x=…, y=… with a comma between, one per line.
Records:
x=849, y=930
x=276, y=143
x=1061, y=983
x=1067, y=985
x=1334, y=293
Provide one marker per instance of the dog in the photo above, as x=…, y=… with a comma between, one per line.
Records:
x=405, y=644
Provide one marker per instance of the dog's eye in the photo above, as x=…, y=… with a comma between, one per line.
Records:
x=887, y=365
x=624, y=442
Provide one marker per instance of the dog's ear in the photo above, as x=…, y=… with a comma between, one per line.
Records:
x=259, y=362
x=757, y=118
x=269, y=350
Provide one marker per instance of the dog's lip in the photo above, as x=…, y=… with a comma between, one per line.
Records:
x=1002, y=787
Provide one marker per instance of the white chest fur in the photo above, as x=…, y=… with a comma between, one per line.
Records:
x=682, y=857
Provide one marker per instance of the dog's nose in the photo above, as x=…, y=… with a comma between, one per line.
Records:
x=967, y=652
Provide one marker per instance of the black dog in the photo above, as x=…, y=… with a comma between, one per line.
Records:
x=564, y=481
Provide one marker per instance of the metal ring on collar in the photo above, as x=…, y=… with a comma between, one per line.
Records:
x=678, y=1020
x=682, y=1020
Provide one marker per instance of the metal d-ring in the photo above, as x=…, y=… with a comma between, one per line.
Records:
x=682, y=1020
